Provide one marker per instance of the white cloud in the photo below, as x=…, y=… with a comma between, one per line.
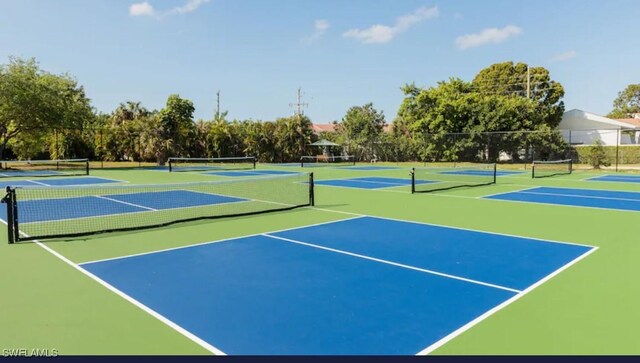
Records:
x=384, y=33
x=561, y=57
x=190, y=6
x=490, y=35
x=146, y=9
x=141, y=9
x=320, y=27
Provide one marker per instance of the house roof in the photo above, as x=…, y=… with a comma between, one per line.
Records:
x=331, y=127
x=323, y=127
x=635, y=122
x=605, y=121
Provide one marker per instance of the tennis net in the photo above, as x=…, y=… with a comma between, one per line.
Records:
x=39, y=213
x=204, y=164
x=430, y=179
x=307, y=161
x=545, y=169
x=41, y=168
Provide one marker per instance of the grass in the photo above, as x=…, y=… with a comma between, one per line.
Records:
x=591, y=308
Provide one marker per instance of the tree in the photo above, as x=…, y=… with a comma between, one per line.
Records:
x=598, y=155
x=509, y=79
x=627, y=103
x=479, y=120
x=361, y=128
x=34, y=102
x=176, y=121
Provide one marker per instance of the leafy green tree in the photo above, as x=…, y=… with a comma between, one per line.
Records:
x=627, y=103
x=509, y=79
x=33, y=102
x=176, y=121
x=293, y=136
x=361, y=128
x=598, y=155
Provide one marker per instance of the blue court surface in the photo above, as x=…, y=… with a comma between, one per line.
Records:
x=480, y=172
x=617, y=178
x=58, y=182
x=234, y=173
x=365, y=285
x=368, y=182
x=368, y=168
x=40, y=210
x=27, y=173
x=605, y=199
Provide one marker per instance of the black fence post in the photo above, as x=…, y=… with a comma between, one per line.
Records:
x=617, y=148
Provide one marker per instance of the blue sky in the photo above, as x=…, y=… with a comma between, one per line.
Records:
x=341, y=53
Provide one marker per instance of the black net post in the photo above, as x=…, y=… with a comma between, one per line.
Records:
x=533, y=170
x=312, y=201
x=12, y=215
x=413, y=180
x=254, y=162
x=495, y=173
x=87, y=167
x=170, y=165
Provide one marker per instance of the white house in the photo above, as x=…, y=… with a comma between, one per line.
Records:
x=584, y=128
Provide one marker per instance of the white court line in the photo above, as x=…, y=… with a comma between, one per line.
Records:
x=487, y=314
x=135, y=302
x=37, y=182
x=125, y=203
x=431, y=272
x=210, y=242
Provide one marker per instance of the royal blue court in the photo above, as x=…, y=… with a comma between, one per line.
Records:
x=604, y=199
x=617, y=178
x=359, y=286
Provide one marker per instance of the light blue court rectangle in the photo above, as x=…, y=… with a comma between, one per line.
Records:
x=480, y=172
x=371, y=167
x=369, y=182
x=605, y=199
x=617, y=178
x=58, y=182
x=360, y=286
x=55, y=209
x=232, y=173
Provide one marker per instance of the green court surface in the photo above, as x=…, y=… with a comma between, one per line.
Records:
x=590, y=308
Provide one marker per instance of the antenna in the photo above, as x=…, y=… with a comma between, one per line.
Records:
x=299, y=104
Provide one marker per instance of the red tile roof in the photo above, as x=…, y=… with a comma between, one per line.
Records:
x=631, y=121
x=331, y=128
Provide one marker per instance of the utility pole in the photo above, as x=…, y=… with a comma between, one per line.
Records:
x=298, y=112
x=299, y=104
x=528, y=83
x=218, y=105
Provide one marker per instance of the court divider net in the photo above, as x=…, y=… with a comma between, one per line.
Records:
x=544, y=169
x=43, y=168
x=60, y=212
x=431, y=179
x=212, y=164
